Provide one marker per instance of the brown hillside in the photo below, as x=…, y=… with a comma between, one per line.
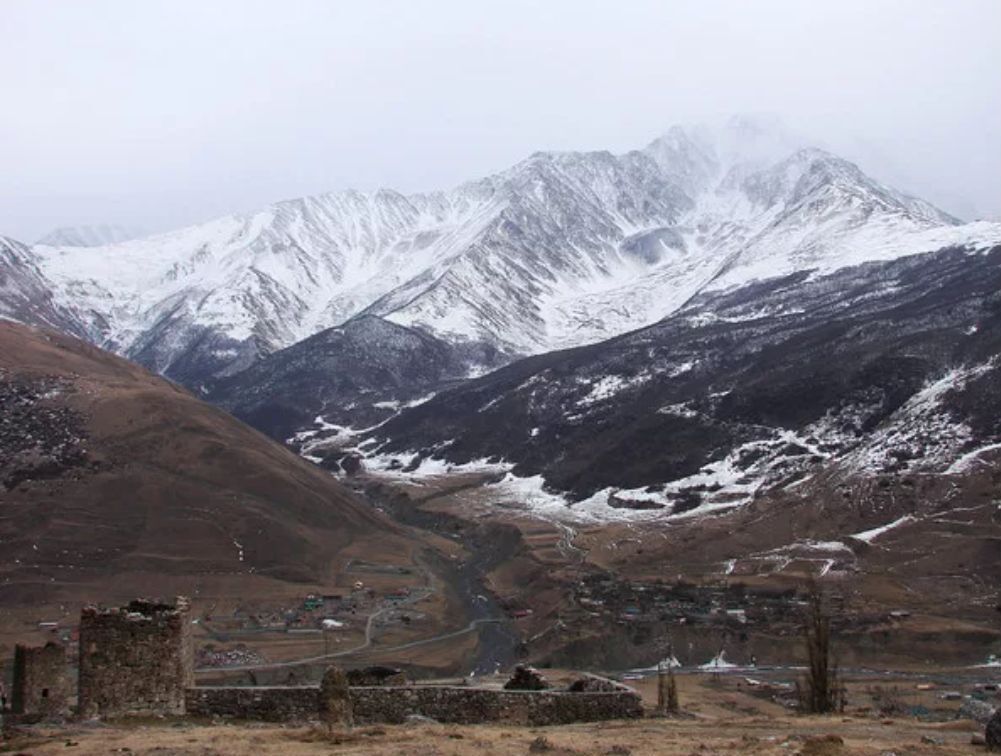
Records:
x=115, y=482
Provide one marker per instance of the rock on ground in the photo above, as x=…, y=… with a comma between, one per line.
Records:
x=993, y=733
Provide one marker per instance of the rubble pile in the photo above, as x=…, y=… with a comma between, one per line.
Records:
x=376, y=674
x=526, y=678
x=233, y=657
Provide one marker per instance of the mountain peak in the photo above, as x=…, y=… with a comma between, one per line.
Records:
x=699, y=154
x=563, y=248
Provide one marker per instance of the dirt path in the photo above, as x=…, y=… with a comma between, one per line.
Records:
x=497, y=642
x=414, y=597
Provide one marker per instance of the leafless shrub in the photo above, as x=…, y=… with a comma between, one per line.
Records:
x=887, y=701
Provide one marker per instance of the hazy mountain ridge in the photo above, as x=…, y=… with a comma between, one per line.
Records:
x=89, y=236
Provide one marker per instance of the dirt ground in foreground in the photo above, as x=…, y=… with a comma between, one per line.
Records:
x=719, y=716
x=809, y=736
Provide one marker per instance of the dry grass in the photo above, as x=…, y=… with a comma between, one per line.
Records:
x=814, y=736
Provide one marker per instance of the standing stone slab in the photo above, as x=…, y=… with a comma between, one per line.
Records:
x=335, y=699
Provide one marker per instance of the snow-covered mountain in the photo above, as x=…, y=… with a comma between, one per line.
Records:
x=25, y=293
x=89, y=236
x=805, y=383
x=561, y=249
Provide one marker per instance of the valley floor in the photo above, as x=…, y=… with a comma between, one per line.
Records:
x=615, y=596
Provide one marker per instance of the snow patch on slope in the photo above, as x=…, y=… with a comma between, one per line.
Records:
x=868, y=536
x=921, y=434
x=607, y=387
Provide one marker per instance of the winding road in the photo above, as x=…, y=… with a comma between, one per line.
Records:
x=497, y=642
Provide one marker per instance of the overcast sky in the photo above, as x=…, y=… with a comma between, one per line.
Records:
x=166, y=113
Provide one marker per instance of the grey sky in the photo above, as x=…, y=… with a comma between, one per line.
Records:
x=166, y=113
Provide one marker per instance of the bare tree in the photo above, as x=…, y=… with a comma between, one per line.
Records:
x=821, y=692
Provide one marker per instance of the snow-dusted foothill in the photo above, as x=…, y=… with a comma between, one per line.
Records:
x=870, y=371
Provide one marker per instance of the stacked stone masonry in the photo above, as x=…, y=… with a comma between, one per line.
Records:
x=392, y=705
x=136, y=659
x=258, y=703
x=40, y=685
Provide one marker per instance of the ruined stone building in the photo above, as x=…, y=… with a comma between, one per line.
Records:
x=137, y=659
x=40, y=685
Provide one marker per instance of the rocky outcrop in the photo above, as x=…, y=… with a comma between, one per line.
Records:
x=595, y=684
x=978, y=711
x=526, y=678
x=624, y=502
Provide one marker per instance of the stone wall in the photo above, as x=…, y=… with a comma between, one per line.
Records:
x=462, y=705
x=456, y=704
x=259, y=703
x=136, y=659
x=41, y=682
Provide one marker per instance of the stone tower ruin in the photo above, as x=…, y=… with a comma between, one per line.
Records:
x=41, y=682
x=136, y=659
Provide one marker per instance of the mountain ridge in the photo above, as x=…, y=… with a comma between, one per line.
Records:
x=89, y=235
x=560, y=249
x=871, y=372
